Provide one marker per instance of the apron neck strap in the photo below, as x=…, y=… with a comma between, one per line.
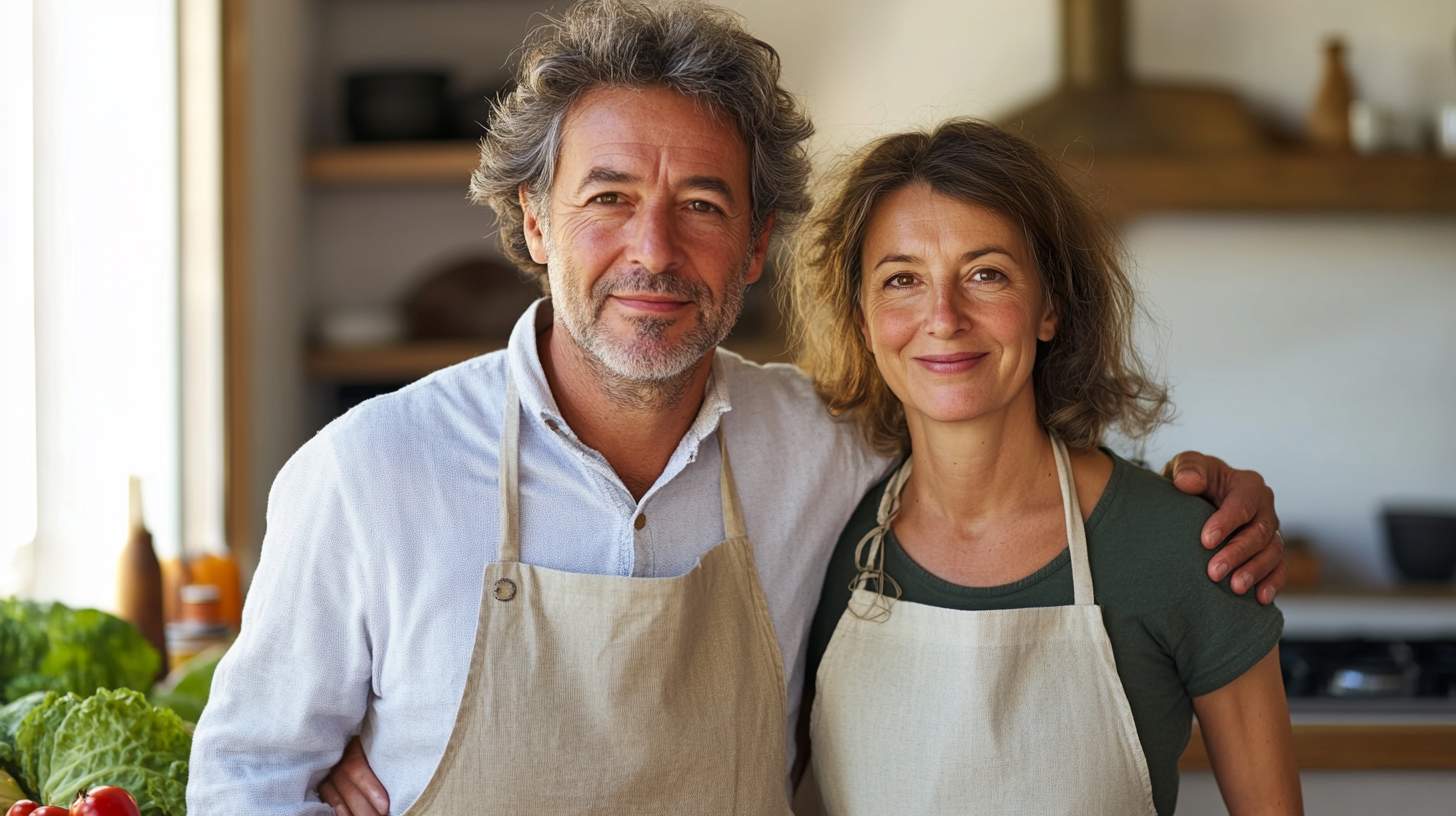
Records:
x=733, y=526
x=1076, y=535
x=510, y=478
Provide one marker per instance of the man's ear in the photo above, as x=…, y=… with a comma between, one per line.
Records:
x=531, y=225
x=760, y=251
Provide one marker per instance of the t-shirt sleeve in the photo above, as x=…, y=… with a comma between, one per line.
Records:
x=1212, y=634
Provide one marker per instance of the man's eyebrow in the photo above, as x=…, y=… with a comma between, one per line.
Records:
x=601, y=174
x=711, y=184
x=968, y=256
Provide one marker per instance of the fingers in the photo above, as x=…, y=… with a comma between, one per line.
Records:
x=354, y=769
x=1259, y=565
x=331, y=797
x=357, y=803
x=1188, y=471
x=1269, y=587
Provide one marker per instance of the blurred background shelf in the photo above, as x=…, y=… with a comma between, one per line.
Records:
x=392, y=364
x=408, y=163
x=1287, y=182
x=1130, y=185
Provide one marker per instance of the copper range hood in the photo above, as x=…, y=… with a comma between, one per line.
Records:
x=1100, y=105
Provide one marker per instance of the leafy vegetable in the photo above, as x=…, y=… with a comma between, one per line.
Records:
x=10, y=718
x=23, y=641
x=10, y=793
x=112, y=738
x=56, y=648
x=186, y=689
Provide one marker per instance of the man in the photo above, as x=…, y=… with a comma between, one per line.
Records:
x=455, y=571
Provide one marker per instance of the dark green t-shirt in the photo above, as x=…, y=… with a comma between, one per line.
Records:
x=1175, y=634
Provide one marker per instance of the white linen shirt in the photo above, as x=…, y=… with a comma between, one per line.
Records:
x=363, y=610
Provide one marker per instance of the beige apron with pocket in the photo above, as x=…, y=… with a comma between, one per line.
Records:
x=617, y=695
x=924, y=710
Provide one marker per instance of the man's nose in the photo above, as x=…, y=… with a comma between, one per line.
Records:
x=654, y=239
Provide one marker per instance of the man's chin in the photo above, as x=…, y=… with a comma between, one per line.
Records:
x=649, y=359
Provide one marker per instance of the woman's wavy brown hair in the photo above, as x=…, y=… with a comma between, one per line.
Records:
x=1087, y=379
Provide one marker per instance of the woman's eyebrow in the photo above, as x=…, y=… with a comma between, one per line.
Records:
x=968, y=256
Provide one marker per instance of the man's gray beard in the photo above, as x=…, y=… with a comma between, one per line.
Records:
x=646, y=362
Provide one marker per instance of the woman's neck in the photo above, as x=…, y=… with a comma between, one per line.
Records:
x=993, y=466
x=983, y=506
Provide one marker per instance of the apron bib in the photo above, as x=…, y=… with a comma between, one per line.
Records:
x=604, y=694
x=925, y=710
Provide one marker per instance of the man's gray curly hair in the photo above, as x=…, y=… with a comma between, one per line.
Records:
x=696, y=49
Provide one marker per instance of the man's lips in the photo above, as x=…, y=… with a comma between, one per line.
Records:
x=950, y=363
x=660, y=304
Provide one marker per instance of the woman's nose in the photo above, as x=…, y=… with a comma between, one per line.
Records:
x=946, y=318
x=654, y=240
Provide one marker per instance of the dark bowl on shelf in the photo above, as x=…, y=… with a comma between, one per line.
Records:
x=398, y=105
x=1422, y=543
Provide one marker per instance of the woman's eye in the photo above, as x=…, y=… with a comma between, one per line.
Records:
x=987, y=275
x=701, y=206
x=901, y=280
x=605, y=198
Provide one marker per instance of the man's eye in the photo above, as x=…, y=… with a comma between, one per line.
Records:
x=702, y=207
x=605, y=198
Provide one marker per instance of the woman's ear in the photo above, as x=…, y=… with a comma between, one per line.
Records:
x=531, y=226
x=1048, y=328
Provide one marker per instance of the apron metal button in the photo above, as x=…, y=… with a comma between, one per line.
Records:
x=505, y=589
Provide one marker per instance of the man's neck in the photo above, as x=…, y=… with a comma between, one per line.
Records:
x=636, y=426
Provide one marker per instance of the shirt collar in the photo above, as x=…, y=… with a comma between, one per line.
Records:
x=537, y=401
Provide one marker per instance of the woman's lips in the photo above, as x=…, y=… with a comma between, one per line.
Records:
x=950, y=363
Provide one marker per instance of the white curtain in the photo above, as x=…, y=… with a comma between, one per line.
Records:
x=90, y=365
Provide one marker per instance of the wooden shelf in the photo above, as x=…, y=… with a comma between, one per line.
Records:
x=410, y=361
x=386, y=364
x=1274, y=182
x=1351, y=747
x=406, y=163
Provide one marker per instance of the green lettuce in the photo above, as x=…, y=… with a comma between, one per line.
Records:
x=11, y=716
x=56, y=648
x=186, y=689
x=111, y=738
x=23, y=641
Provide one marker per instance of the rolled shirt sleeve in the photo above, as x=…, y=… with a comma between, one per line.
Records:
x=296, y=684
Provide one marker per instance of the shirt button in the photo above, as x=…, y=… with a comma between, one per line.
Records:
x=551, y=423
x=641, y=521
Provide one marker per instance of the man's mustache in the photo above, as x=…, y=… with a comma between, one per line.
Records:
x=639, y=281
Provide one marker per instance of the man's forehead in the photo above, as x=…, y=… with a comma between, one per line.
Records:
x=614, y=130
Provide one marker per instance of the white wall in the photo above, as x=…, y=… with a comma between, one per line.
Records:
x=1315, y=349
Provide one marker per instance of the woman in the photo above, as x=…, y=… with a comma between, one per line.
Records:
x=1000, y=629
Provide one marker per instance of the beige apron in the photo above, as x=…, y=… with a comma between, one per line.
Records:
x=924, y=710
x=605, y=694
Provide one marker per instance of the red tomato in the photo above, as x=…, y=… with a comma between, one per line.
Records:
x=103, y=801
x=48, y=810
x=22, y=808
